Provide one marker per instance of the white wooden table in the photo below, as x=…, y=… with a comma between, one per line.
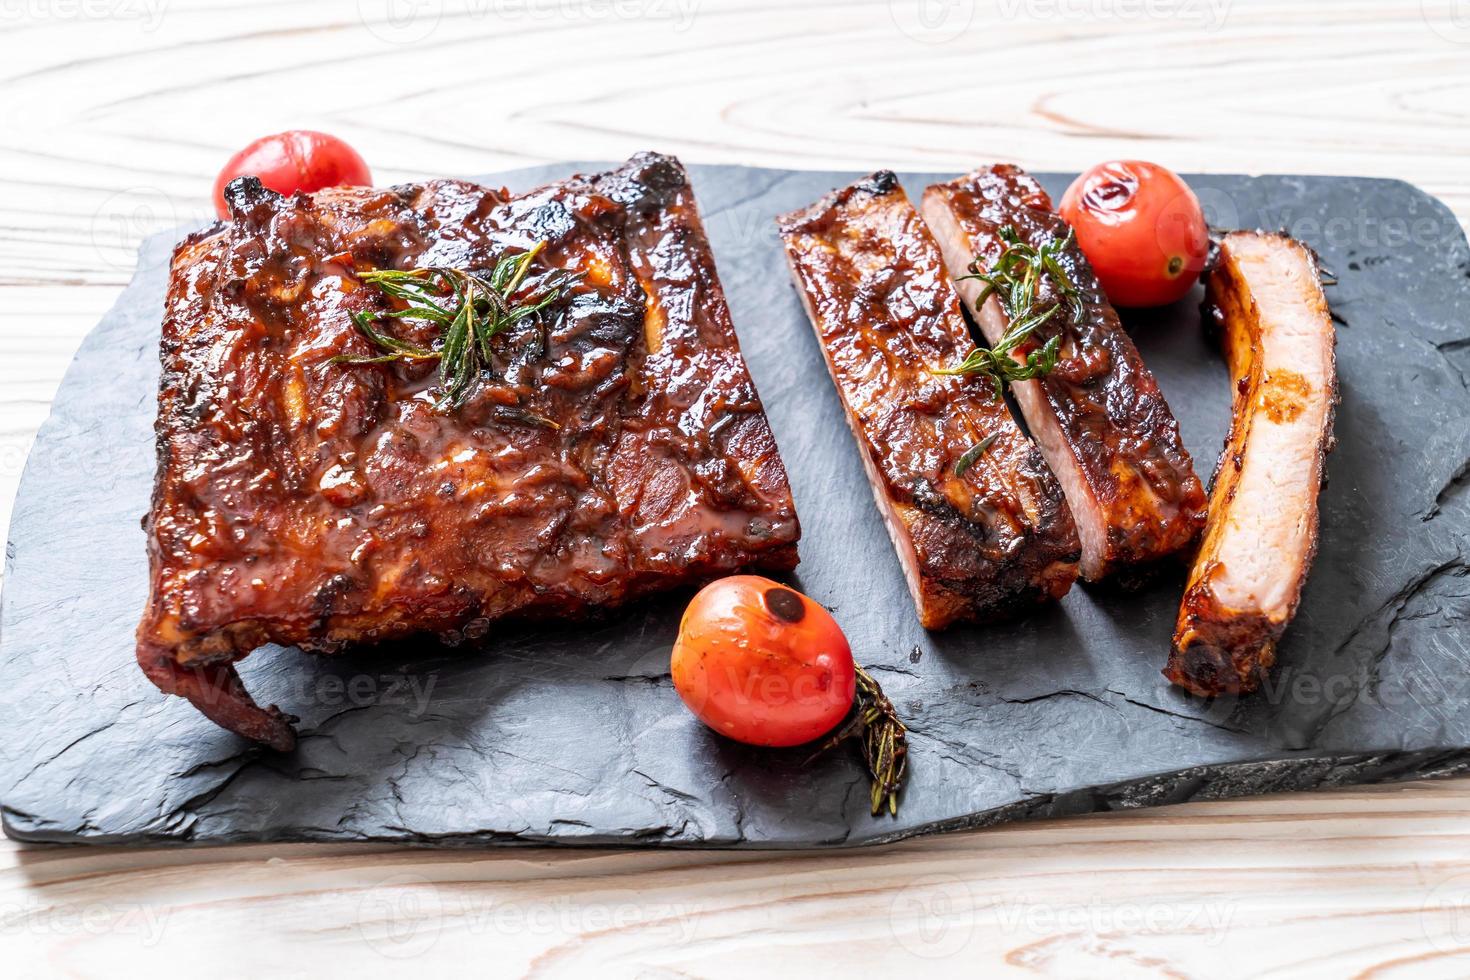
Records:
x=114, y=118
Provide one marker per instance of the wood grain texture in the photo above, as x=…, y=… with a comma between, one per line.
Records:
x=117, y=114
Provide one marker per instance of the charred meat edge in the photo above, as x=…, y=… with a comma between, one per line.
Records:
x=943, y=550
x=1100, y=419
x=1265, y=297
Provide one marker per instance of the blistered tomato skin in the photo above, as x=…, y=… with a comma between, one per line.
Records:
x=761, y=663
x=296, y=160
x=1142, y=230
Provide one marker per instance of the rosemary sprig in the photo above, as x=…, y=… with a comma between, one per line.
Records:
x=471, y=308
x=1016, y=278
x=884, y=738
x=974, y=453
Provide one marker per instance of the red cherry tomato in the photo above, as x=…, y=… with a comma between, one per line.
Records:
x=763, y=664
x=1141, y=228
x=296, y=160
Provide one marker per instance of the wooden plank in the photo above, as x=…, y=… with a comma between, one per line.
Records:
x=1329, y=885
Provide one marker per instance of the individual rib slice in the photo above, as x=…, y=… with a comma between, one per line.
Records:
x=1266, y=298
x=702, y=419
x=1099, y=417
x=974, y=545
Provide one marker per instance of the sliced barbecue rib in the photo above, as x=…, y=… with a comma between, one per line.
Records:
x=1099, y=417
x=974, y=546
x=1266, y=298
x=701, y=413
x=321, y=504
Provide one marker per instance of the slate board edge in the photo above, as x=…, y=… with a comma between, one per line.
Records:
x=1205, y=783
x=1223, y=781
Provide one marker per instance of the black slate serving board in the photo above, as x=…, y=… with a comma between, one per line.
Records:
x=573, y=735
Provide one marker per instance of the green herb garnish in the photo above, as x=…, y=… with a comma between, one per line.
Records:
x=471, y=308
x=874, y=721
x=1016, y=278
x=974, y=453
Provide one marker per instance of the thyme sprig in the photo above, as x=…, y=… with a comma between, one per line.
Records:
x=875, y=723
x=470, y=307
x=1016, y=277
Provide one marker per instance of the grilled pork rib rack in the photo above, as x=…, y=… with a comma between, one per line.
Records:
x=1266, y=298
x=617, y=449
x=1099, y=417
x=991, y=540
